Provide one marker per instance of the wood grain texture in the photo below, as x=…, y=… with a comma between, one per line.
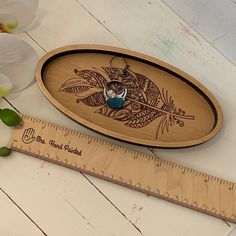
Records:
x=164, y=107
x=149, y=27
x=136, y=170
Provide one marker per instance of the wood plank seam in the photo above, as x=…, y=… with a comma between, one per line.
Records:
x=89, y=12
x=135, y=226
x=20, y=208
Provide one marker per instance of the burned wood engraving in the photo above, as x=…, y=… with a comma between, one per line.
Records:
x=144, y=104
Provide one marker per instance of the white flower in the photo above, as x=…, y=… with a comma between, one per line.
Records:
x=5, y=85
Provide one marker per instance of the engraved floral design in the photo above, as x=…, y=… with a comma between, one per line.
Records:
x=144, y=103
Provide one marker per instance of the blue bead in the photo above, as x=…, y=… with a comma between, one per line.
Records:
x=115, y=102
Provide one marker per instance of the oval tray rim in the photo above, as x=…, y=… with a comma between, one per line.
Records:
x=116, y=135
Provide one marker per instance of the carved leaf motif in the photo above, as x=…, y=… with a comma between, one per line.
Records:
x=114, y=73
x=90, y=91
x=94, y=100
x=139, y=86
x=75, y=85
x=144, y=102
x=92, y=77
x=121, y=114
x=169, y=104
x=104, y=110
x=143, y=118
x=149, y=90
x=127, y=77
x=129, y=115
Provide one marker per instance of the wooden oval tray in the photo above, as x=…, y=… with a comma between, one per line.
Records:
x=165, y=107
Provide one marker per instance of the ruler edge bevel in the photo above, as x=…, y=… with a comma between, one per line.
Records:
x=100, y=176
x=139, y=189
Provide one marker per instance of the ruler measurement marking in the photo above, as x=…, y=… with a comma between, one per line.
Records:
x=186, y=183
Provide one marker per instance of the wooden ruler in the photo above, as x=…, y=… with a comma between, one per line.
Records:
x=136, y=170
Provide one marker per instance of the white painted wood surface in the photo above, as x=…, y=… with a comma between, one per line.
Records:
x=64, y=202
x=13, y=220
x=215, y=20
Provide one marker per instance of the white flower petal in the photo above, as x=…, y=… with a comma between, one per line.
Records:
x=5, y=85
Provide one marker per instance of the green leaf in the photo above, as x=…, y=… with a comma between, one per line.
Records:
x=4, y=151
x=9, y=117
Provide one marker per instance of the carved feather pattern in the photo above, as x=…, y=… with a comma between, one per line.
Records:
x=145, y=102
x=75, y=85
x=93, y=77
x=94, y=100
x=143, y=118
